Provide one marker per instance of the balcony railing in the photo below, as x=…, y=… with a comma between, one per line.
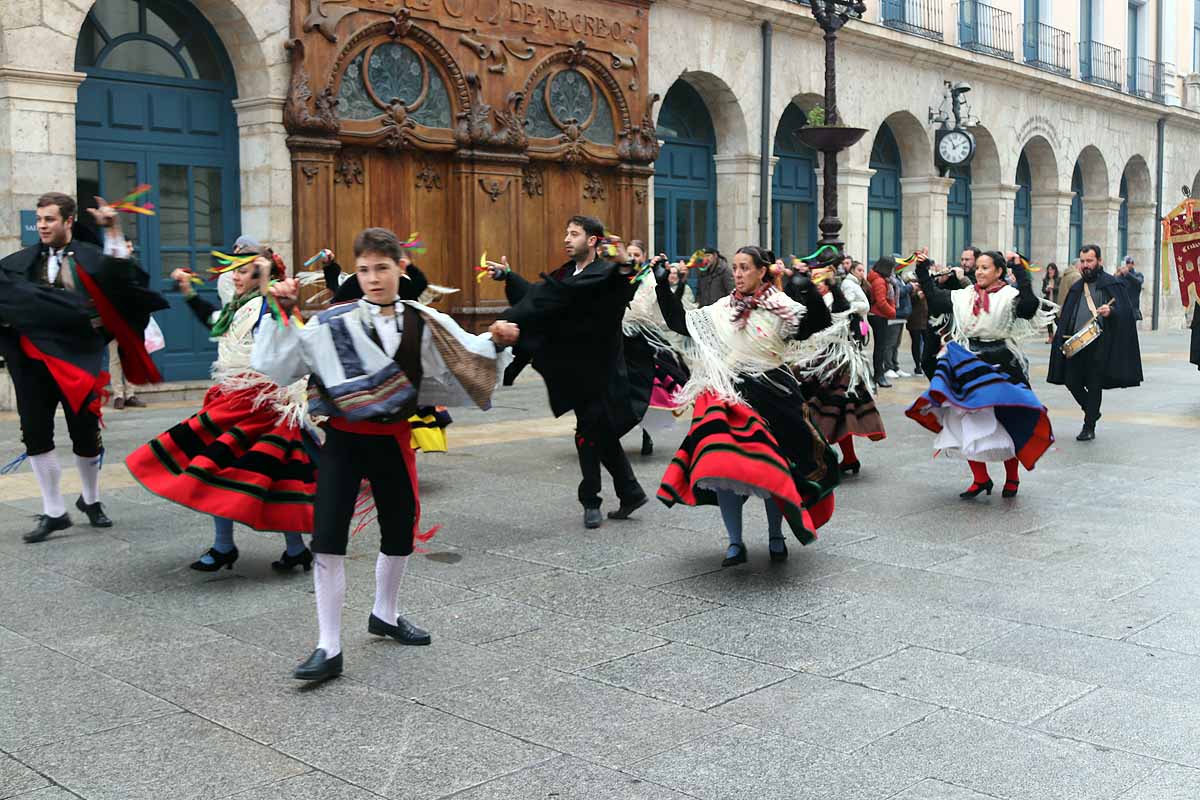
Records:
x=1100, y=64
x=985, y=29
x=1047, y=48
x=920, y=17
x=1146, y=79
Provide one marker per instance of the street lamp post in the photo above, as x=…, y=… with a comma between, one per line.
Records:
x=831, y=138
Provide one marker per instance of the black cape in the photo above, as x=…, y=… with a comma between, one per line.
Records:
x=1119, y=350
x=1195, y=355
x=571, y=333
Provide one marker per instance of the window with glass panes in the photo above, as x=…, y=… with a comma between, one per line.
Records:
x=958, y=213
x=793, y=190
x=1076, y=212
x=1023, y=209
x=883, y=197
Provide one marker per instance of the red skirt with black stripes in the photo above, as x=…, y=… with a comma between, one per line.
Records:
x=233, y=460
x=732, y=446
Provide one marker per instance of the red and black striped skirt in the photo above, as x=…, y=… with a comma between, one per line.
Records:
x=839, y=412
x=734, y=447
x=233, y=460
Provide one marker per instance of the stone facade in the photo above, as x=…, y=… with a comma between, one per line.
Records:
x=886, y=75
x=38, y=84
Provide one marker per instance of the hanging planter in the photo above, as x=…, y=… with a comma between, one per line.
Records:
x=829, y=138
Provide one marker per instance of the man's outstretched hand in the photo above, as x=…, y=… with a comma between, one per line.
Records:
x=504, y=334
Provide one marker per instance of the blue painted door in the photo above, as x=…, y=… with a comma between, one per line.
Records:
x=883, y=197
x=958, y=214
x=685, y=206
x=793, y=190
x=157, y=108
x=1023, y=209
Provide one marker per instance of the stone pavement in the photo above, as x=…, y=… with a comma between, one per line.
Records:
x=926, y=648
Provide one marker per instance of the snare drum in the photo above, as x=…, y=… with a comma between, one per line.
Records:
x=1081, y=339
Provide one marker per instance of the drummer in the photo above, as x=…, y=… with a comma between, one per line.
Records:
x=1112, y=360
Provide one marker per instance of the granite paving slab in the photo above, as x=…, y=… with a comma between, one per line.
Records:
x=567, y=778
x=1152, y=726
x=931, y=625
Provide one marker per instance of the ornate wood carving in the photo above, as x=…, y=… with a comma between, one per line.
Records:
x=639, y=143
x=324, y=16
x=349, y=170
x=494, y=187
x=310, y=173
x=533, y=181
x=482, y=126
x=298, y=117
x=640, y=196
x=428, y=178
x=593, y=187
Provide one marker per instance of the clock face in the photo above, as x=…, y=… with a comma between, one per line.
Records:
x=954, y=147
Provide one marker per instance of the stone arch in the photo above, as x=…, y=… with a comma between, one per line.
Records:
x=1094, y=169
x=985, y=166
x=254, y=44
x=916, y=147
x=1043, y=164
x=1139, y=185
x=728, y=117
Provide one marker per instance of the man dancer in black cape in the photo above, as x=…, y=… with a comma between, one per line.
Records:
x=1114, y=361
x=61, y=301
x=569, y=326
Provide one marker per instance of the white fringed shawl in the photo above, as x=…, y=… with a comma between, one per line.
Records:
x=1000, y=322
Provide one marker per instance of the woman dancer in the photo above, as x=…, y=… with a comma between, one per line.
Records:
x=656, y=369
x=242, y=457
x=837, y=371
x=979, y=402
x=750, y=430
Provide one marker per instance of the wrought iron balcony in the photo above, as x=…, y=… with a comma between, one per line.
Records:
x=920, y=17
x=1047, y=48
x=985, y=29
x=1100, y=64
x=1146, y=79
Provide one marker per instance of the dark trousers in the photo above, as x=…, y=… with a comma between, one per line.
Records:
x=917, y=348
x=346, y=460
x=879, y=332
x=38, y=399
x=1085, y=380
x=597, y=443
x=891, y=359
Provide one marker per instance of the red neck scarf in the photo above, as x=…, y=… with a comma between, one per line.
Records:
x=982, y=301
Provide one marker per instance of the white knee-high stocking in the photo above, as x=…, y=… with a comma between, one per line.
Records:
x=329, y=581
x=89, y=477
x=389, y=571
x=49, y=477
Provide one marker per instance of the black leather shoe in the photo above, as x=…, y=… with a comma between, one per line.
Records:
x=737, y=558
x=977, y=489
x=647, y=444
x=592, y=518
x=1087, y=434
x=628, y=508
x=286, y=563
x=1010, y=489
x=779, y=555
x=46, y=526
x=319, y=668
x=95, y=513
x=403, y=631
x=848, y=467
x=219, y=560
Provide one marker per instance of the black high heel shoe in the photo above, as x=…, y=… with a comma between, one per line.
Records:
x=286, y=562
x=978, y=489
x=850, y=467
x=219, y=560
x=737, y=558
x=1010, y=488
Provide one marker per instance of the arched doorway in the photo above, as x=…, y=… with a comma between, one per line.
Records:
x=157, y=108
x=793, y=190
x=685, y=196
x=958, y=213
x=883, y=197
x=1076, y=241
x=1123, y=222
x=1023, y=209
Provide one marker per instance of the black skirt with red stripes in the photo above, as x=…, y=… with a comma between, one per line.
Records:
x=766, y=447
x=233, y=460
x=839, y=412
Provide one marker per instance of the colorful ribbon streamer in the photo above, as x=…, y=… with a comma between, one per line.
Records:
x=641, y=273
x=482, y=270
x=414, y=244
x=816, y=253
x=129, y=205
x=320, y=254
x=230, y=263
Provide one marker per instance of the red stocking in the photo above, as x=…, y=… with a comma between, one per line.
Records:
x=847, y=445
x=1010, y=473
x=979, y=473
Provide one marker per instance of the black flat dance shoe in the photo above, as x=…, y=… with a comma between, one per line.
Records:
x=779, y=555
x=628, y=508
x=318, y=667
x=850, y=466
x=403, y=631
x=286, y=562
x=978, y=489
x=1087, y=434
x=592, y=518
x=1010, y=488
x=647, y=444
x=46, y=526
x=219, y=560
x=95, y=513
x=737, y=558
